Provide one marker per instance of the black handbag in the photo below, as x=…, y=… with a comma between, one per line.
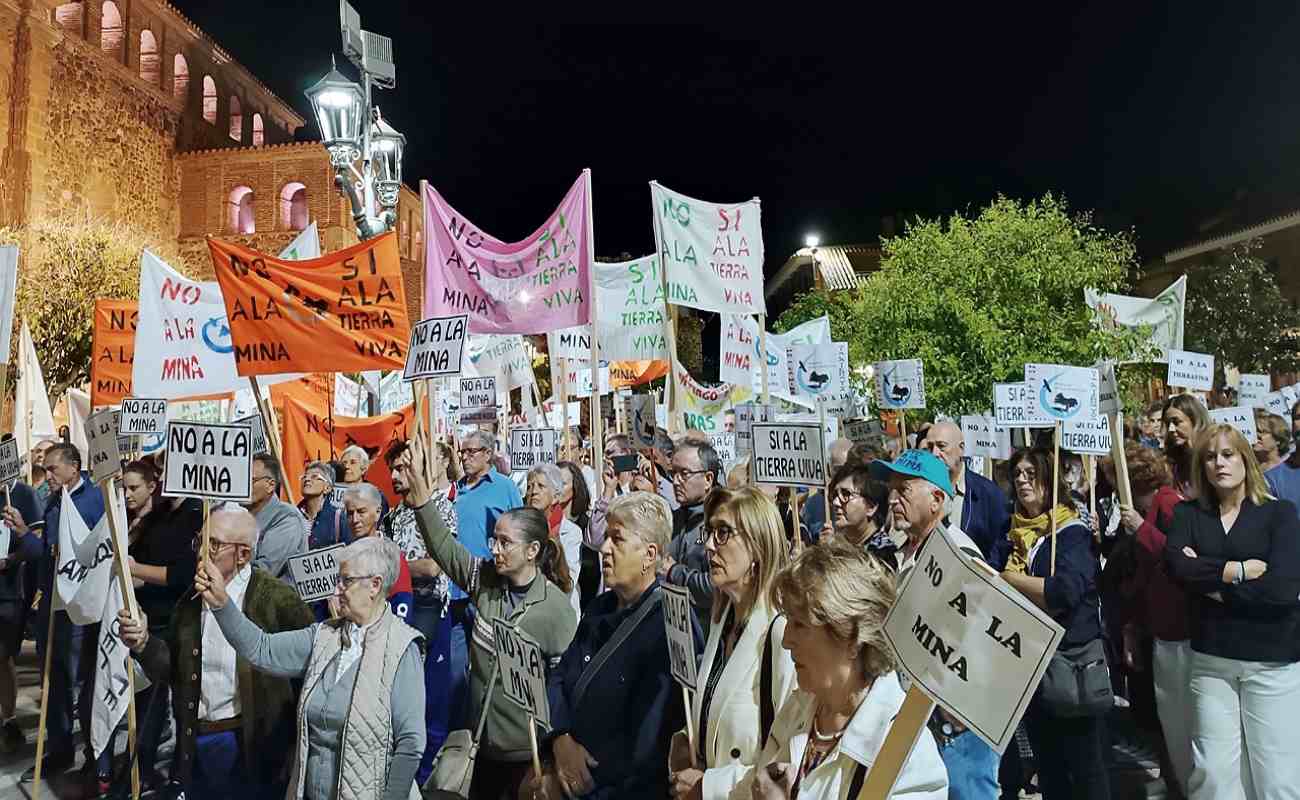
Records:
x=1077, y=682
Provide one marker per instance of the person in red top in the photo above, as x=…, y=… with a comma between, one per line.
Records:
x=1158, y=607
x=364, y=505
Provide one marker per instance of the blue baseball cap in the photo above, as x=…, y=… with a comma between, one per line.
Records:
x=915, y=464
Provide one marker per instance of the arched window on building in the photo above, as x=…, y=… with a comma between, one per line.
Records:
x=209, y=99
x=242, y=213
x=180, y=77
x=69, y=17
x=149, y=60
x=111, y=30
x=236, y=119
x=293, y=207
x=259, y=132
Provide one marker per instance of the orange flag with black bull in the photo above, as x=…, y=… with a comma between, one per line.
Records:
x=113, y=350
x=343, y=312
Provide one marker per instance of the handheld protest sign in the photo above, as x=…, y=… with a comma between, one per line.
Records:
x=724, y=444
x=900, y=384
x=103, y=445
x=437, y=348
x=523, y=670
x=1011, y=404
x=11, y=464
x=1058, y=393
x=789, y=454
x=984, y=438
x=1108, y=399
x=1240, y=417
x=641, y=419
x=532, y=446
x=142, y=416
x=969, y=640
x=207, y=461
x=316, y=572
x=478, y=400
x=746, y=415
x=1190, y=370
x=820, y=372
x=681, y=648
x=257, y=440
x=1090, y=437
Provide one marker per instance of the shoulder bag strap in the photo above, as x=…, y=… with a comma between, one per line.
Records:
x=487, y=701
x=624, y=630
x=767, y=709
x=859, y=778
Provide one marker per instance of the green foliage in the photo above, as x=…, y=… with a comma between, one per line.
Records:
x=1236, y=313
x=977, y=298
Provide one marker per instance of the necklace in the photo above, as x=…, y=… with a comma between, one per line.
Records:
x=824, y=737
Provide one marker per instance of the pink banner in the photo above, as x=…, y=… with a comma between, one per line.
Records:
x=538, y=285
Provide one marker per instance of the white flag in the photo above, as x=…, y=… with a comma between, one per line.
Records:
x=85, y=564
x=8, y=290
x=304, y=247
x=112, y=682
x=78, y=403
x=32, y=418
x=1163, y=313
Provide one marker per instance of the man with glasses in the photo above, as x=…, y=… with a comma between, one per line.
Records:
x=282, y=529
x=232, y=722
x=696, y=469
x=325, y=520
x=977, y=505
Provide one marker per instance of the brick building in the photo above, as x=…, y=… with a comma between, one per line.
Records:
x=126, y=110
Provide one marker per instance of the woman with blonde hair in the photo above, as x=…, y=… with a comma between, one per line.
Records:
x=745, y=675
x=827, y=734
x=1235, y=549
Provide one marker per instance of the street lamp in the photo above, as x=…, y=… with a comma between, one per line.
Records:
x=339, y=106
x=811, y=241
x=386, y=148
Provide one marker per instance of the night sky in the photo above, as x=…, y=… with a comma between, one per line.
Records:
x=1153, y=118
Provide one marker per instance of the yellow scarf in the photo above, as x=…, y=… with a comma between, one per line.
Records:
x=1025, y=531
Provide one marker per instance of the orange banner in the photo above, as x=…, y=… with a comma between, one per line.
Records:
x=311, y=435
x=633, y=373
x=344, y=312
x=113, y=351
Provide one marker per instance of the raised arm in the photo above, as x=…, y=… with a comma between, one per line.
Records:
x=283, y=655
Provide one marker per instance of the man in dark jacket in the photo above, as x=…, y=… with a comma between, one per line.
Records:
x=696, y=469
x=15, y=599
x=979, y=507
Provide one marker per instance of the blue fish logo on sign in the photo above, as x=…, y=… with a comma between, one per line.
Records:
x=216, y=330
x=152, y=443
x=895, y=395
x=812, y=381
x=1055, y=403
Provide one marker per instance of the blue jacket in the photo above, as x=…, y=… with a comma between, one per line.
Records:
x=329, y=527
x=1072, y=598
x=89, y=501
x=632, y=706
x=986, y=518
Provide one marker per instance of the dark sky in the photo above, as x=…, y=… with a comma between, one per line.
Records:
x=1151, y=117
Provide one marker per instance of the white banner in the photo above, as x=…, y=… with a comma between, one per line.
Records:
x=678, y=627
x=983, y=437
x=713, y=253
x=501, y=356
x=820, y=373
x=112, y=679
x=573, y=344
x=523, y=675
x=739, y=353
x=1240, y=417
x=8, y=293
x=1162, y=313
x=702, y=407
x=208, y=461
x=789, y=454
x=631, y=311
x=900, y=384
x=1058, y=393
x=316, y=573
x=1189, y=370
x=85, y=564
x=437, y=346
x=395, y=393
x=304, y=247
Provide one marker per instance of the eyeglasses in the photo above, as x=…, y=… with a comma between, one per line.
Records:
x=346, y=581
x=215, y=546
x=684, y=475
x=471, y=451
x=844, y=496
x=721, y=535
x=264, y=478
x=495, y=543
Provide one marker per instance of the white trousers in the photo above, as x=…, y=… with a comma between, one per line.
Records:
x=1244, y=738
x=1171, y=664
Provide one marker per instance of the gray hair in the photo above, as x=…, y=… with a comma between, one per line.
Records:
x=374, y=555
x=357, y=450
x=709, y=460
x=481, y=439
x=322, y=469
x=551, y=473
x=242, y=523
x=647, y=515
x=366, y=493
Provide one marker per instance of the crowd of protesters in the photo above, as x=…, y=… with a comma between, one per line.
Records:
x=1188, y=598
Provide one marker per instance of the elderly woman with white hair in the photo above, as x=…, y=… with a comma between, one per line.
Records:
x=355, y=461
x=545, y=493
x=360, y=718
x=614, y=705
x=363, y=504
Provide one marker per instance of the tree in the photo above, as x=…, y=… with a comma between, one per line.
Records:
x=65, y=265
x=977, y=298
x=1236, y=313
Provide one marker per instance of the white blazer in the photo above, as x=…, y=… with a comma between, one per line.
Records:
x=923, y=777
x=734, y=713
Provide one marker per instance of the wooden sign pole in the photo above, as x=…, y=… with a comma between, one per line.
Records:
x=690, y=723
x=112, y=502
x=272, y=430
x=45, y=687
x=899, y=741
x=1120, y=458
x=1056, y=482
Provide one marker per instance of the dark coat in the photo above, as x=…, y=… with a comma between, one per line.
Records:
x=986, y=518
x=632, y=706
x=1072, y=597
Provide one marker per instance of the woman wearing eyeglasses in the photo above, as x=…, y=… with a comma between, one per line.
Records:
x=745, y=674
x=860, y=512
x=326, y=522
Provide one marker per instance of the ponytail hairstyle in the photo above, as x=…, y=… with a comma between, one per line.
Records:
x=532, y=527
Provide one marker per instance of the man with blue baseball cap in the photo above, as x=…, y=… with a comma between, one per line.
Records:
x=920, y=492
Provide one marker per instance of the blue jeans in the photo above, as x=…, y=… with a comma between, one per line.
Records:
x=436, y=629
x=218, y=768
x=972, y=768
x=461, y=618
x=65, y=661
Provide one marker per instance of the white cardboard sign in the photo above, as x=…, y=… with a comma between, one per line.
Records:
x=316, y=572
x=1089, y=437
x=789, y=454
x=971, y=642
x=1059, y=393
x=746, y=415
x=724, y=444
x=478, y=400
x=681, y=637
x=1252, y=389
x=1191, y=370
x=820, y=373
x=523, y=676
x=258, y=441
x=1011, y=404
x=142, y=416
x=1240, y=417
x=1108, y=399
x=900, y=384
x=863, y=431
x=437, y=347
x=1275, y=403
x=103, y=445
x=532, y=446
x=11, y=465
x=983, y=437
x=641, y=419
x=214, y=462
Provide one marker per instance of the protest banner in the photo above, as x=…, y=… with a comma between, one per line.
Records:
x=113, y=348
x=316, y=573
x=724, y=444
x=900, y=384
x=32, y=418
x=211, y=462
x=257, y=437
x=1240, y=417
x=633, y=317
x=343, y=312
x=1189, y=370
x=1275, y=403
x=712, y=253
x=502, y=357
x=436, y=349
x=741, y=348
x=819, y=373
x=984, y=437
x=11, y=465
x=571, y=344
x=1251, y=389
x=394, y=393
x=312, y=434
x=1058, y=393
x=789, y=454
x=532, y=446
x=478, y=400
x=746, y=415
x=702, y=406
x=104, y=454
x=1162, y=315
x=635, y=373
x=540, y=284
x=142, y=416
x=967, y=639
x=523, y=670
x=578, y=381
x=1087, y=437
